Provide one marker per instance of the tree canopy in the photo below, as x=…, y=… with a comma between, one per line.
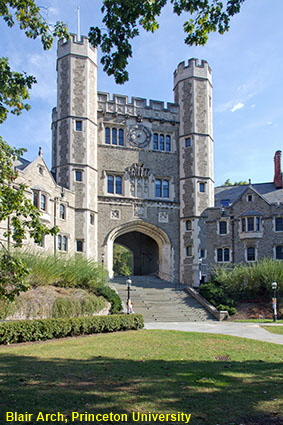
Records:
x=122, y=21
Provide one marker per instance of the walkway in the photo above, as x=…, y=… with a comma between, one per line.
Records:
x=159, y=301
x=243, y=330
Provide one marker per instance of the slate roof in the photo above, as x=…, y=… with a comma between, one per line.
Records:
x=232, y=193
x=21, y=164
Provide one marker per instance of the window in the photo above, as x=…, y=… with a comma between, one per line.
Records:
x=188, y=142
x=189, y=251
x=114, y=136
x=43, y=202
x=62, y=211
x=155, y=141
x=78, y=176
x=59, y=239
x=222, y=227
x=121, y=137
x=35, y=199
x=202, y=187
x=223, y=255
x=250, y=224
x=279, y=224
x=40, y=170
x=279, y=252
x=107, y=136
x=114, y=184
x=161, y=188
x=80, y=245
x=161, y=142
x=168, y=143
x=91, y=219
x=250, y=198
x=64, y=243
x=225, y=202
x=189, y=225
x=79, y=125
x=202, y=253
x=251, y=253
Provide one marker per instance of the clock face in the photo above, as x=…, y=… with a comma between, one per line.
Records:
x=139, y=136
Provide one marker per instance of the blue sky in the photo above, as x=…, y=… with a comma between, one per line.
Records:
x=247, y=66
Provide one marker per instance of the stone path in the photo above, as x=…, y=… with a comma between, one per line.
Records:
x=243, y=330
x=159, y=301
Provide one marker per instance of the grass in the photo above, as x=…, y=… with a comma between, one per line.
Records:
x=217, y=379
x=257, y=320
x=274, y=329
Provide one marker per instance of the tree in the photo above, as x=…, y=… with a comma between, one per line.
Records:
x=21, y=215
x=23, y=219
x=122, y=19
x=240, y=183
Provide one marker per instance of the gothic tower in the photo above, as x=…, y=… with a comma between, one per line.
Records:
x=193, y=93
x=74, y=136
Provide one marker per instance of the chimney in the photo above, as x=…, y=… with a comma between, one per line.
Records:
x=277, y=170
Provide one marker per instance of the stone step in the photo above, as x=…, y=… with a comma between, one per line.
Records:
x=161, y=301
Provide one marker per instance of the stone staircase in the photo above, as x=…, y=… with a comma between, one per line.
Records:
x=161, y=301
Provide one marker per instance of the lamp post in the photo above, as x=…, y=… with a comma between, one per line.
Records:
x=129, y=305
x=200, y=271
x=274, y=301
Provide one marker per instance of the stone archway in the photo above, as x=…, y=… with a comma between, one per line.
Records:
x=151, y=247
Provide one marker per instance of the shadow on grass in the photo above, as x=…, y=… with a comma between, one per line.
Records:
x=219, y=392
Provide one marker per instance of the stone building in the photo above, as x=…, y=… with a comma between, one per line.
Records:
x=140, y=174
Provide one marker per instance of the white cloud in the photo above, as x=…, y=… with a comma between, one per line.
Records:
x=237, y=106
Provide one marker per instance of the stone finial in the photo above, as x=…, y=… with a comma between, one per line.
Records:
x=40, y=151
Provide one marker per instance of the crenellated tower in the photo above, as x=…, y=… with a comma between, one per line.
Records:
x=74, y=135
x=193, y=94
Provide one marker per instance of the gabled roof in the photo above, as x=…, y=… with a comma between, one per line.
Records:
x=232, y=193
x=21, y=163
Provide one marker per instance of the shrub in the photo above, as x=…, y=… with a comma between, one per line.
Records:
x=112, y=297
x=43, y=329
x=215, y=293
x=72, y=307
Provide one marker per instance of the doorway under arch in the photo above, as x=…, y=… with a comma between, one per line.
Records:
x=150, y=245
x=145, y=252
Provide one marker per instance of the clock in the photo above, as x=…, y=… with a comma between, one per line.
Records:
x=139, y=135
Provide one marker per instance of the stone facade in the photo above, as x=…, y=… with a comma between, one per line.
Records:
x=140, y=173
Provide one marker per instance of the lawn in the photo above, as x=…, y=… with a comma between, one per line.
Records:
x=215, y=379
x=274, y=329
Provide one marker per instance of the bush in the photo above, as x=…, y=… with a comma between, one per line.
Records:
x=111, y=296
x=72, y=307
x=43, y=329
x=215, y=293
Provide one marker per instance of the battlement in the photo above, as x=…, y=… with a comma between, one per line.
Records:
x=75, y=46
x=194, y=68
x=120, y=104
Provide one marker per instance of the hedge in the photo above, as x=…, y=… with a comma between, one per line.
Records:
x=43, y=329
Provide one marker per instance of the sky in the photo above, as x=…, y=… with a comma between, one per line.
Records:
x=247, y=69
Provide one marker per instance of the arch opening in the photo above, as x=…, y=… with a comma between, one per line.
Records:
x=145, y=252
x=150, y=245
